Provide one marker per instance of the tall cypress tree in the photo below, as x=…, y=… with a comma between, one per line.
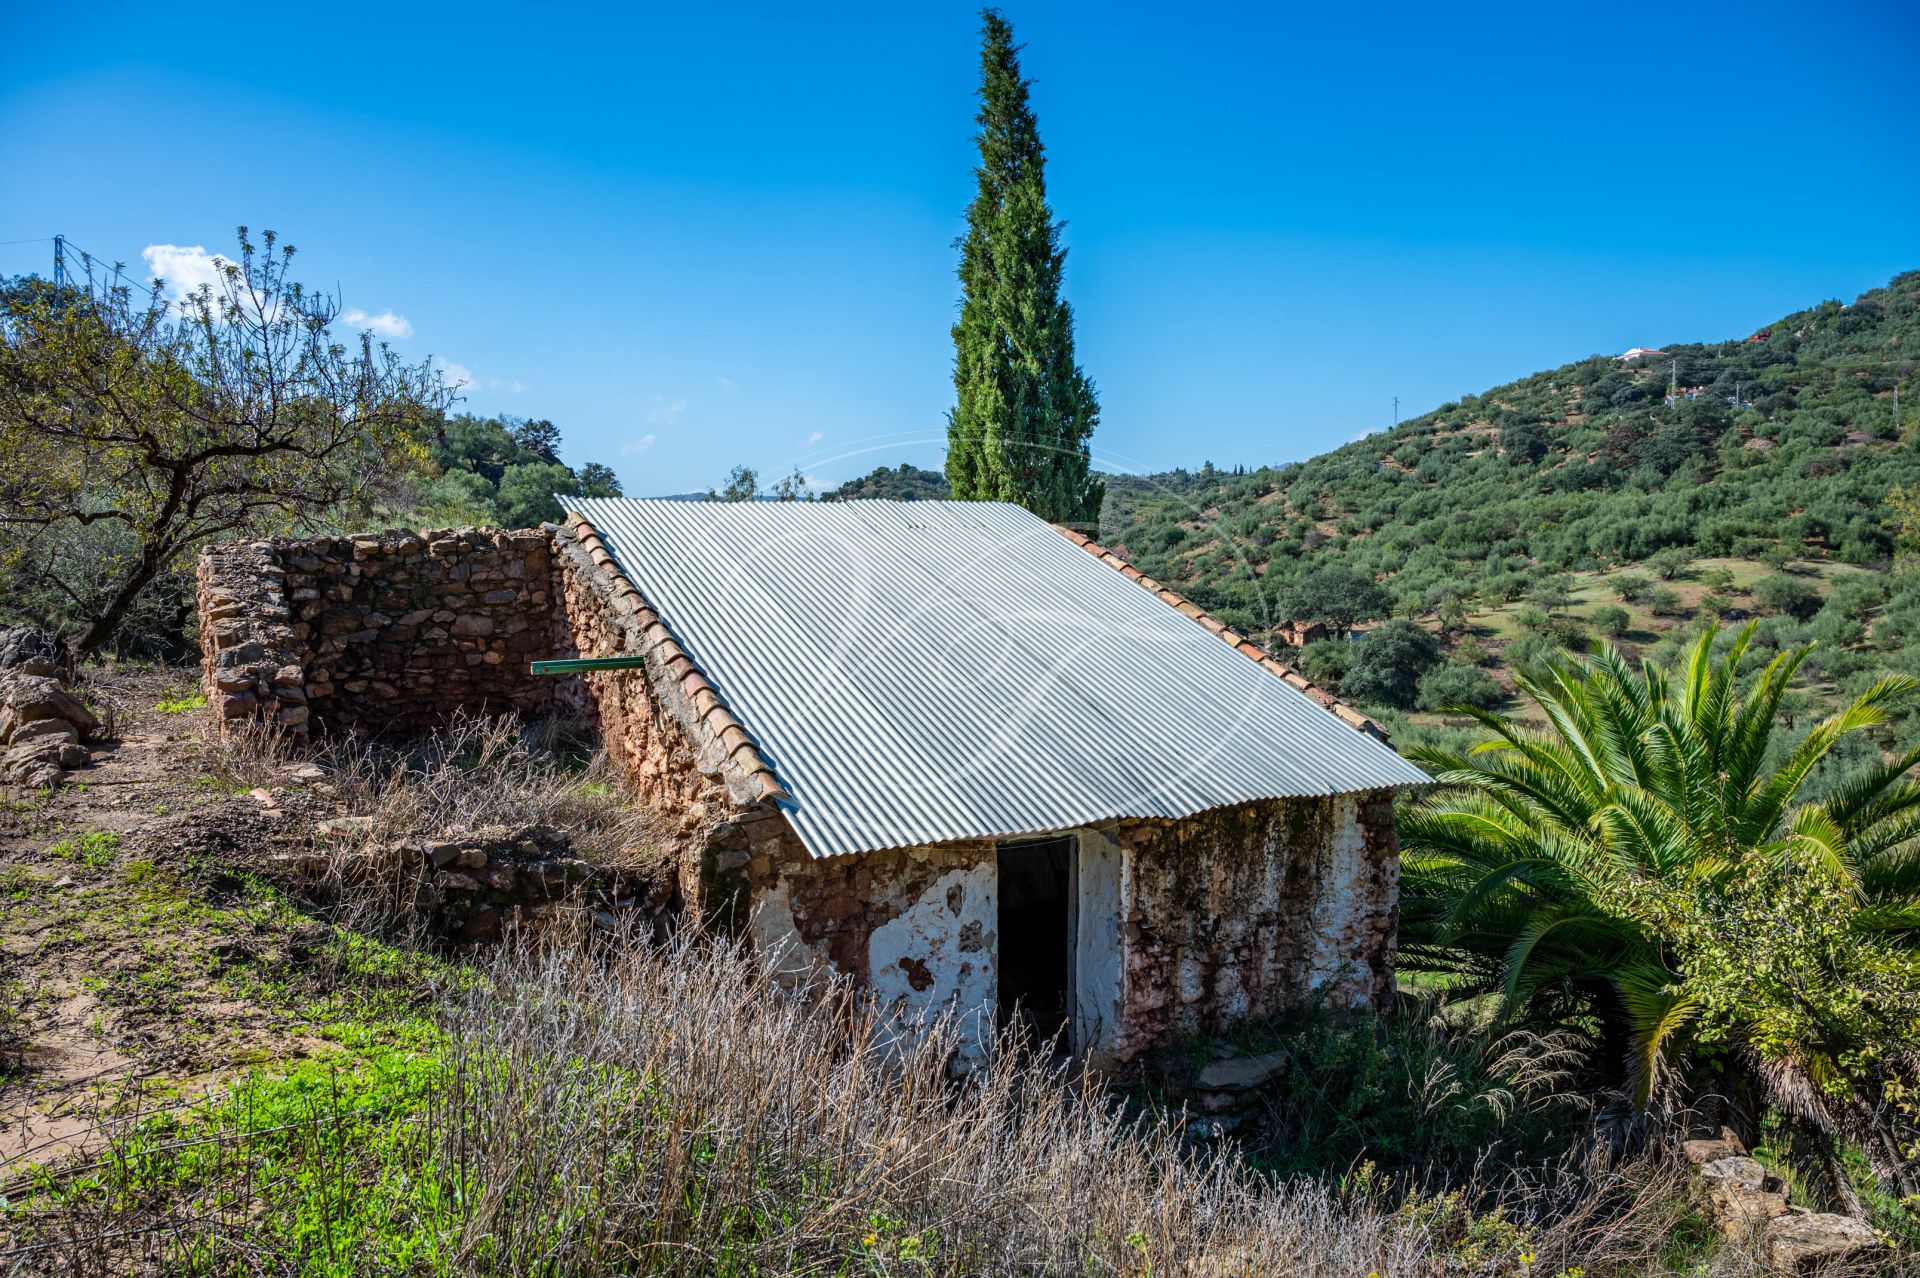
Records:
x=1023, y=410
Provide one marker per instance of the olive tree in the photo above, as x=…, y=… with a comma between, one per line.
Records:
x=168, y=423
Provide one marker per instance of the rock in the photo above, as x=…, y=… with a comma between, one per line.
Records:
x=1243, y=1073
x=454, y=881
x=33, y=651
x=73, y=756
x=44, y=731
x=1741, y=1195
x=307, y=774
x=262, y=797
x=1725, y=1145
x=1823, y=1243
x=472, y=859
x=344, y=827
x=35, y=698
x=443, y=853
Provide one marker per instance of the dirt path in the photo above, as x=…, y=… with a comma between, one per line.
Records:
x=141, y=965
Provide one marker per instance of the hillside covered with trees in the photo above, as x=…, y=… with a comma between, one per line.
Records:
x=1585, y=500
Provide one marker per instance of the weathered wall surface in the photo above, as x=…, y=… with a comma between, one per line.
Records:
x=394, y=632
x=918, y=925
x=249, y=661
x=402, y=630
x=1249, y=911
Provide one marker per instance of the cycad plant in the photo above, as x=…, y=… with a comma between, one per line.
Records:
x=1641, y=866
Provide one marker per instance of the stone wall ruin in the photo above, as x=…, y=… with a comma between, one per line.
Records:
x=388, y=633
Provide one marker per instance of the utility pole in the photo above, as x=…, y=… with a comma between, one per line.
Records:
x=59, y=260
x=1396, y=405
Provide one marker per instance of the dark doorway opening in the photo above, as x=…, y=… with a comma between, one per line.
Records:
x=1036, y=937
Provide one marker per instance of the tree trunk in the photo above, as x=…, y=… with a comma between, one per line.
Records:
x=102, y=627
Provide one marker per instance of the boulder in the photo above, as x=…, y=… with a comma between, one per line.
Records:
x=1703, y=1151
x=1242, y=1073
x=1742, y=1196
x=1823, y=1243
x=29, y=698
x=33, y=651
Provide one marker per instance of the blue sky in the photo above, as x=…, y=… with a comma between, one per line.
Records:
x=694, y=235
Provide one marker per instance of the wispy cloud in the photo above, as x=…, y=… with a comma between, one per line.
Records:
x=511, y=385
x=456, y=376
x=815, y=438
x=639, y=445
x=387, y=323
x=665, y=411
x=181, y=269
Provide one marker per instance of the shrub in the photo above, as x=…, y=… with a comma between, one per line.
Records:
x=1632, y=587
x=1449, y=685
x=1782, y=592
x=1612, y=619
x=1388, y=663
x=1664, y=602
x=1534, y=620
x=1326, y=661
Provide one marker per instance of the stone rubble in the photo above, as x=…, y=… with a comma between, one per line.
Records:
x=44, y=725
x=470, y=887
x=1750, y=1205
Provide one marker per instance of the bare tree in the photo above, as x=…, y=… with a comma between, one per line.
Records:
x=170, y=423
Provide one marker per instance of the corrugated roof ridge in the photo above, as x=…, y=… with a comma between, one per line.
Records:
x=733, y=736
x=1231, y=637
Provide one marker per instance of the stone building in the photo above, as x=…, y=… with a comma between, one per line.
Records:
x=945, y=748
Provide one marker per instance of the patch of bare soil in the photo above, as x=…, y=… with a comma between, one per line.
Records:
x=141, y=962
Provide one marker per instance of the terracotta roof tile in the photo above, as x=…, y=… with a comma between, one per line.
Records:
x=713, y=715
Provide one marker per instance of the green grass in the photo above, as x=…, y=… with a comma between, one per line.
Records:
x=332, y=1150
x=186, y=703
x=93, y=849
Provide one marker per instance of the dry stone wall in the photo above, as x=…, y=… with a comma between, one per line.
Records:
x=250, y=664
x=387, y=633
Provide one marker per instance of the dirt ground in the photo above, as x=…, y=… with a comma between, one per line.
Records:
x=144, y=960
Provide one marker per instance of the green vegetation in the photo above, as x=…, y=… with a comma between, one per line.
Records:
x=135, y=429
x=92, y=848
x=1023, y=410
x=1734, y=921
x=500, y=471
x=894, y=483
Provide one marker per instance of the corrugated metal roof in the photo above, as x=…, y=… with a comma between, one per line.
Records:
x=918, y=672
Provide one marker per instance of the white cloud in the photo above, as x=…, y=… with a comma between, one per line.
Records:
x=182, y=270
x=456, y=376
x=815, y=438
x=665, y=410
x=639, y=445
x=386, y=324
